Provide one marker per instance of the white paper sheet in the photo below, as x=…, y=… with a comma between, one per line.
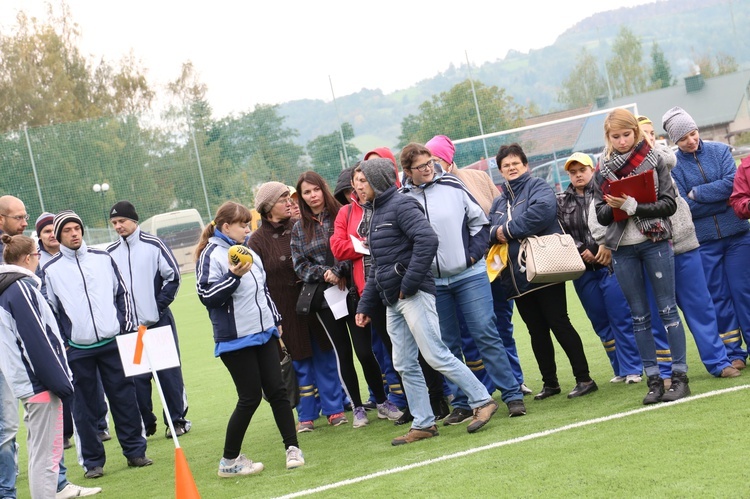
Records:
x=159, y=343
x=359, y=246
x=336, y=299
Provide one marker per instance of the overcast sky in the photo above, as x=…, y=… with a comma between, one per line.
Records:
x=271, y=52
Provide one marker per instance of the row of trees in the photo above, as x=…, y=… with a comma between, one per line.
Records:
x=186, y=157
x=68, y=122
x=626, y=73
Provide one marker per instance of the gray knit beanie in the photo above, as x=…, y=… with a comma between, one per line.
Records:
x=379, y=173
x=267, y=195
x=678, y=123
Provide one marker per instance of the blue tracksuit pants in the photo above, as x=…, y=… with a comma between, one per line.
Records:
x=608, y=311
x=695, y=303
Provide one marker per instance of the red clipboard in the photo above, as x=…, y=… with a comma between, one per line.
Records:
x=641, y=187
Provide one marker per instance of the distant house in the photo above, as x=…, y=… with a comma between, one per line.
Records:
x=720, y=107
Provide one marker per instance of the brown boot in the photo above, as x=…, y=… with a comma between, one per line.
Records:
x=482, y=416
x=416, y=434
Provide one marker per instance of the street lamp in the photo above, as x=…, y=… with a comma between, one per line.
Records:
x=102, y=189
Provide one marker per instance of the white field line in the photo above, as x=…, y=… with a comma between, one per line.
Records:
x=503, y=443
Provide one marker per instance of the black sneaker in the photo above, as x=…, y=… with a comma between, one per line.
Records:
x=180, y=428
x=655, y=390
x=405, y=418
x=370, y=405
x=139, y=462
x=66, y=443
x=458, y=416
x=95, y=472
x=440, y=408
x=679, y=388
x=104, y=436
x=516, y=408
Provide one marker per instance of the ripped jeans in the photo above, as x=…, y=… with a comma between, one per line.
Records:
x=658, y=260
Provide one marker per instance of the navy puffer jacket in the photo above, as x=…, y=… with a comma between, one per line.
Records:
x=533, y=212
x=402, y=246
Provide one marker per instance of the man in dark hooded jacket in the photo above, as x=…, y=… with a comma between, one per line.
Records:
x=402, y=246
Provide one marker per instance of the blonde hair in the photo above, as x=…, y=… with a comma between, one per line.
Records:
x=620, y=119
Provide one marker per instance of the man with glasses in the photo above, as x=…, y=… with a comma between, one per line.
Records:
x=152, y=276
x=460, y=274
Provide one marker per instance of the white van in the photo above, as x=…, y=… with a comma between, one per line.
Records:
x=180, y=230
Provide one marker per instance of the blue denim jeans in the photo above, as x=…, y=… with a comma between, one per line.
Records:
x=657, y=260
x=8, y=429
x=470, y=293
x=414, y=327
x=504, y=326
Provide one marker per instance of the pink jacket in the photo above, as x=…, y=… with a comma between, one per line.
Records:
x=740, y=198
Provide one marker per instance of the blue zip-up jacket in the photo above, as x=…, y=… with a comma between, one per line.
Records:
x=709, y=174
x=151, y=274
x=402, y=247
x=460, y=223
x=32, y=353
x=237, y=306
x=88, y=296
x=533, y=212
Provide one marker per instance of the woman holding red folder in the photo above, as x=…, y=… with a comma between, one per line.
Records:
x=641, y=241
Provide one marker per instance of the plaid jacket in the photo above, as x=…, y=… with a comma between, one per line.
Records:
x=309, y=258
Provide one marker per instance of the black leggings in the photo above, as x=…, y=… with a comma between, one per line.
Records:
x=253, y=369
x=545, y=309
x=342, y=341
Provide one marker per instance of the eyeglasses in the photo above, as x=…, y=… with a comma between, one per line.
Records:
x=423, y=168
x=17, y=218
x=38, y=255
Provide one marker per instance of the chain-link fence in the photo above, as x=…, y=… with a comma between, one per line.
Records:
x=88, y=166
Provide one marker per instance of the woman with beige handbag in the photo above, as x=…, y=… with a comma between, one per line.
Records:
x=526, y=208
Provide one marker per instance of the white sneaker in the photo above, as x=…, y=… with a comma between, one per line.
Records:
x=239, y=466
x=294, y=458
x=360, y=417
x=618, y=379
x=526, y=390
x=633, y=378
x=73, y=490
x=388, y=410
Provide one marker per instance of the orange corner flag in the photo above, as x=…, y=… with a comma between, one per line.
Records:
x=184, y=484
x=139, y=345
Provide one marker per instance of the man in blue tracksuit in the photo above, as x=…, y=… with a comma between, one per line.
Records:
x=152, y=277
x=460, y=273
x=89, y=298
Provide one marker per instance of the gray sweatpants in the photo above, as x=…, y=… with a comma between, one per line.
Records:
x=44, y=428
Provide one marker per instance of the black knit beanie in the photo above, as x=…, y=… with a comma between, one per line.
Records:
x=123, y=209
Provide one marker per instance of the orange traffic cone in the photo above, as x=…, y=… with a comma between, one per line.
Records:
x=184, y=484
